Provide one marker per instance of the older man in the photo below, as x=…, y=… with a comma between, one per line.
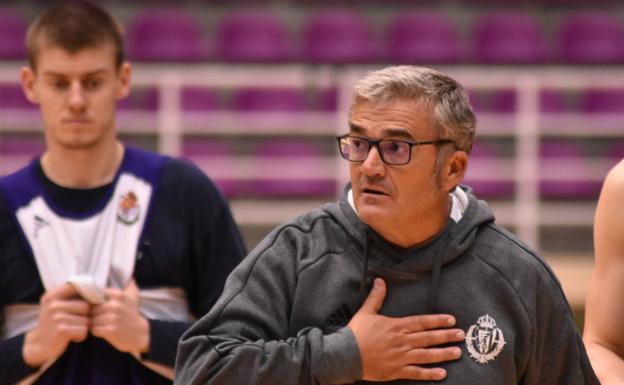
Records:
x=454, y=296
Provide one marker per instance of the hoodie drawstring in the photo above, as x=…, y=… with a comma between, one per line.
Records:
x=365, y=266
x=432, y=301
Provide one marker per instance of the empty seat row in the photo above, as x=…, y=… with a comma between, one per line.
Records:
x=566, y=171
x=346, y=36
x=295, y=100
x=242, y=99
x=292, y=99
x=552, y=101
x=260, y=175
x=263, y=175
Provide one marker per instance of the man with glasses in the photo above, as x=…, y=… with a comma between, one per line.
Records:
x=406, y=277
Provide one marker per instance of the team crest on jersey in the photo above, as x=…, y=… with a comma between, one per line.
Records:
x=128, y=208
x=484, y=340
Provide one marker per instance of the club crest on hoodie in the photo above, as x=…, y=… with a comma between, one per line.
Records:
x=484, y=340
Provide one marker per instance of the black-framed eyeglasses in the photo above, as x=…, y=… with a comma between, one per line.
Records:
x=392, y=151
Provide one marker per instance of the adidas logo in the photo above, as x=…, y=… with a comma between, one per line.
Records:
x=340, y=317
x=39, y=224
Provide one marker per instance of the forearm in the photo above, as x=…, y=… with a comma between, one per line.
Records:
x=608, y=365
x=309, y=358
x=164, y=337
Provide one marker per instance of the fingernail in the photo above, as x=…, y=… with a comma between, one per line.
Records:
x=450, y=321
x=441, y=373
x=459, y=334
x=457, y=352
x=377, y=283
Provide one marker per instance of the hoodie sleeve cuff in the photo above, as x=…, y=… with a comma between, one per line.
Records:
x=340, y=362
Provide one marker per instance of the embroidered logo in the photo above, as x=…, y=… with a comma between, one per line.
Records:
x=340, y=317
x=484, y=340
x=39, y=224
x=128, y=211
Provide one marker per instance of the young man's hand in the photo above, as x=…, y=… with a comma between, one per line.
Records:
x=119, y=321
x=62, y=319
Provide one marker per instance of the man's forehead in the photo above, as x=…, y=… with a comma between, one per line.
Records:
x=58, y=60
x=382, y=132
x=406, y=118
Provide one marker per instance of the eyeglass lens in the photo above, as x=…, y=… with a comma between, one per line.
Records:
x=392, y=151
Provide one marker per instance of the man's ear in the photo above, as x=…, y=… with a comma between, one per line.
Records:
x=454, y=169
x=27, y=76
x=123, y=79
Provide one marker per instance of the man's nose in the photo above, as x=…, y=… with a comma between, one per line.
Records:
x=373, y=165
x=77, y=99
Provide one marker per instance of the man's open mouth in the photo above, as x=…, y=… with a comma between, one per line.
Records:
x=374, y=192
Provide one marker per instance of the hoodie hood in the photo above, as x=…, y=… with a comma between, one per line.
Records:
x=448, y=245
x=394, y=262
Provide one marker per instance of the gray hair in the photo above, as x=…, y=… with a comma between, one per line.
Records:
x=452, y=115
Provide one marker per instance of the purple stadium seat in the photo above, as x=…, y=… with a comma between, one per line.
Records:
x=193, y=147
x=166, y=35
x=193, y=99
x=17, y=151
x=253, y=36
x=422, y=37
x=603, y=101
x=616, y=152
x=552, y=100
x=338, y=36
x=509, y=37
x=486, y=160
x=12, y=35
x=326, y=100
x=12, y=96
x=592, y=37
x=298, y=185
x=216, y=160
x=141, y=98
x=505, y=101
x=200, y=99
x=24, y=145
x=565, y=174
x=269, y=99
x=501, y=101
x=552, y=104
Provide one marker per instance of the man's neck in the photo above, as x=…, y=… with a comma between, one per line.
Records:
x=83, y=168
x=413, y=234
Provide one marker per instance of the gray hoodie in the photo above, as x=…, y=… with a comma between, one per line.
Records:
x=282, y=316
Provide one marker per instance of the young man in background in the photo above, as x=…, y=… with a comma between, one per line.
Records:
x=147, y=240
